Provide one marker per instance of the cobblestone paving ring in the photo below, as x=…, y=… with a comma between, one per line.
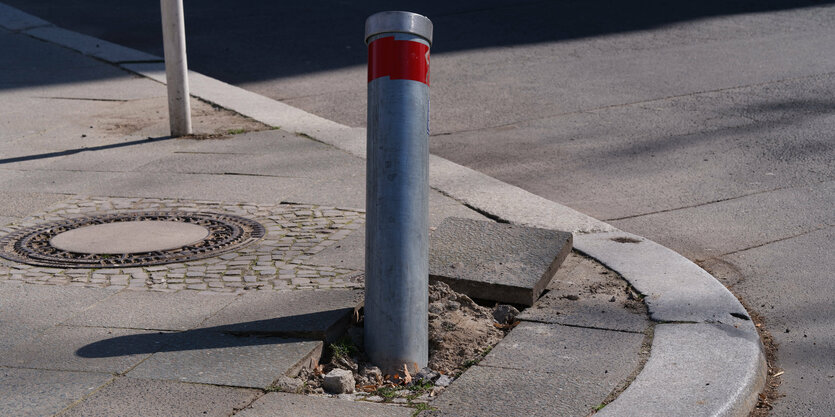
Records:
x=33, y=245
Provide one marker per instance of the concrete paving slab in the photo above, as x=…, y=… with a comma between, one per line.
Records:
x=153, y=310
x=58, y=349
x=212, y=357
x=142, y=397
x=33, y=392
x=340, y=192
x=322, y=315
x=14, y=334
x=675, y=288
x=279, y=404
x=586, y=294
x=24, y=204
x=593, y=312
x=493, y=261
x=41, y=306
x=482, y=391
x=687, y=377
x=605, y=357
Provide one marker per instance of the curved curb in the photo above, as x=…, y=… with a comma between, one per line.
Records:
x=706, y=358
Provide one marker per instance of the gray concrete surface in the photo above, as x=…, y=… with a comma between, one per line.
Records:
x=710, y=30
x=288, y=314
x=140, y=397
x=493, y=261
x=221, y=359
x=697, y=370
x=35, y=392
x=278, y=404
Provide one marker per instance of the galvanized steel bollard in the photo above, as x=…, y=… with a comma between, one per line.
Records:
x=397, y=191
x=176, y=67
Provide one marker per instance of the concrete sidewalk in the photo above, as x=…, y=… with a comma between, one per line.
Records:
x=85, y=136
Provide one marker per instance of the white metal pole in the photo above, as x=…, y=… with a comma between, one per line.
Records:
x=176, y=67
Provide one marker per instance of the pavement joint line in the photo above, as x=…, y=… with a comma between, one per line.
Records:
x=827, y=226
x=721, y=200
x=493, y=196
x=583, y=327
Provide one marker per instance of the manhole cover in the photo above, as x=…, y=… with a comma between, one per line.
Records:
x=129, y=239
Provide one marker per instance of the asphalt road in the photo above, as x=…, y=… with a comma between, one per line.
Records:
x=707, y=126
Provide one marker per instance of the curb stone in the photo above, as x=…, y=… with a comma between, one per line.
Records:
x=706, y=362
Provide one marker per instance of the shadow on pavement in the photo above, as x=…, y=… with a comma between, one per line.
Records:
x=279, y=330
x=251, y=40
x=79, y=150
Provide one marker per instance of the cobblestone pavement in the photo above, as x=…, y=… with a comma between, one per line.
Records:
x=294, y=233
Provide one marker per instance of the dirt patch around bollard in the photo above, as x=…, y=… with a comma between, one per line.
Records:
x=461, y=333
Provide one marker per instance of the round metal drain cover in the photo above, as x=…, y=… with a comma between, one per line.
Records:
x=137, y=239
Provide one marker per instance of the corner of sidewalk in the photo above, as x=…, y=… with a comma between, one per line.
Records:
x=706, y=357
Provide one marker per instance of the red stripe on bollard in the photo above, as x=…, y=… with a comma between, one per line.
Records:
x=398, y=60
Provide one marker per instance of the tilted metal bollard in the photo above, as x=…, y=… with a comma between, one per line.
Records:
x=176, y=67
x=397, y=191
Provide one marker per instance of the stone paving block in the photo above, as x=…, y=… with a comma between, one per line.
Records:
x=212, y=357
x=153, y=310
x=36, y=393
x=602, y=357
x=483, y=391
x=320, y=315
x=58, y=349
x=493, y=261
x=279, y=404
x=141, y=397
x=695, y=370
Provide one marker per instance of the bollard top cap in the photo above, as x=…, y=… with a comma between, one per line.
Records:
x=398, y=22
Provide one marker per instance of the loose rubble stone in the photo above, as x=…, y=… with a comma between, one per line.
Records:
x=287, y=384
x=339, y=381
x=504, y=314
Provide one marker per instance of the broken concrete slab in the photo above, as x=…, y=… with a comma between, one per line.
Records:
x=279, y=404
x=610, y=355
x=37, y=392
x=587, y=294
x=142, y=397
x=322, y=315
x=211, y=357
x=495, y=261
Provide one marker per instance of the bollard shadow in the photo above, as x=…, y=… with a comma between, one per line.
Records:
x=67, y=152
x=280, y=330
